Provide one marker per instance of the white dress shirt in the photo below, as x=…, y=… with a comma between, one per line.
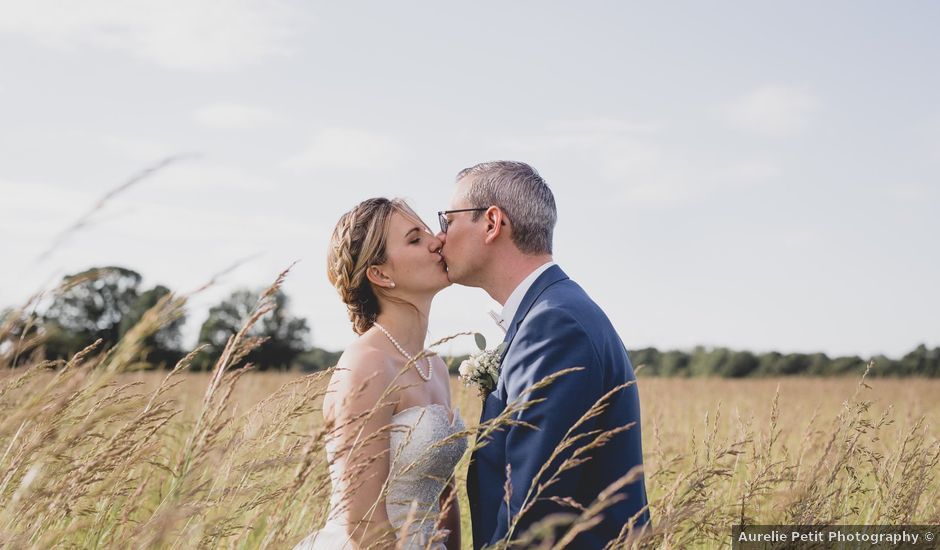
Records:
x=515, y=299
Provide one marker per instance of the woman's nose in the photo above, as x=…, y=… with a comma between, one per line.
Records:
x=437, y=243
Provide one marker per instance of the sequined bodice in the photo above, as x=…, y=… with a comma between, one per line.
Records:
x=425, y=449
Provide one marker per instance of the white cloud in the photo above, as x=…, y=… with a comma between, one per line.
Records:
x=913, y=192
x=136, y=149
x=773, y=111
x=347, y=148
x=751, y=170
x=182, y=202
x=175, y=238
x=187, y=225
x=594, y=125
x=640, y=162
x=27, y=202
x=933, y=153
x=210, y=177
x=182, y=34
x=227, y=115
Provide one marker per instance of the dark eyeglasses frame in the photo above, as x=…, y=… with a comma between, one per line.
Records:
x=442, y=216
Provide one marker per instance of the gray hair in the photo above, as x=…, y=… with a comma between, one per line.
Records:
x=521, y=193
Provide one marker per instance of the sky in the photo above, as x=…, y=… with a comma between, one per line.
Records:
x=755, y=175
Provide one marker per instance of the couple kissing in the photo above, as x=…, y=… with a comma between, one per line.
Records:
x=557, y=453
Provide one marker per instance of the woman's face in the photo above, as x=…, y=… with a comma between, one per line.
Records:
x=414, y=261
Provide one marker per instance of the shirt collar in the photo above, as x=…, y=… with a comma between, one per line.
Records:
x=515, y=299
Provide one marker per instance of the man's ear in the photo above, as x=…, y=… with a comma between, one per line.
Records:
x=496, y=223
x=379, y=277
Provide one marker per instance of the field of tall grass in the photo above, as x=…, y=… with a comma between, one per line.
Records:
x=98, y=454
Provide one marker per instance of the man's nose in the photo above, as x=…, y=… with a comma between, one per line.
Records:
x=442, y=237
x=437, y=242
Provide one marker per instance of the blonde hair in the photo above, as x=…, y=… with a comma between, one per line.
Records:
x=359, y=242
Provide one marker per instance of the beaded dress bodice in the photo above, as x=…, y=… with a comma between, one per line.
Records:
x=425, y=445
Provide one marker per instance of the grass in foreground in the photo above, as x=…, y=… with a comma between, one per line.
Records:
x=96, y=455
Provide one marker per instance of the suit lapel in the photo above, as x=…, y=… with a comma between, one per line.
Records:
x=551, y=276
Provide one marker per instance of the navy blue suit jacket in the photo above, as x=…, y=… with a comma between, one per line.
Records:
x=558, y=326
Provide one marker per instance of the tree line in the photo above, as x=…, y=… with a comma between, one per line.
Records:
x=106, y=302
x=727, y=363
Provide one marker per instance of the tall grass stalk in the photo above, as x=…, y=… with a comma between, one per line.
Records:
x=94, y=454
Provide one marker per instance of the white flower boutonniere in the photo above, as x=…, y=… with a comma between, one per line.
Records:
x=482, y=368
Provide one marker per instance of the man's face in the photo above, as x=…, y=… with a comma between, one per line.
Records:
x=463, y=251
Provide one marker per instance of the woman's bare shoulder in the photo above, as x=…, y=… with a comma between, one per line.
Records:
x=361, y=358
x=361, y=368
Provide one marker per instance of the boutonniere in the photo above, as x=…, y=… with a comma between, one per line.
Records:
x=482, y=368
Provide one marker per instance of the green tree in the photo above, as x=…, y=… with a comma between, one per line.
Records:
x=19, y=336
x=674, y=363
x=286, y=336
x=648, y=358
x=921, y=361
x=847, y=365
x=103, y=302
x=708, y=362
x=739, y=364
x=316, y=359
x=164, y=346
x=932, y=368
x=767, y=363
x=884, y=366
x=90, y=307
x=819, y=364
x=792, y=363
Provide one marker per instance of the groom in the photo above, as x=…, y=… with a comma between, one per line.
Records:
x=498, y=236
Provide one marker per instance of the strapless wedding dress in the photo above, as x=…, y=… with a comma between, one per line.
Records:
x=421, y=463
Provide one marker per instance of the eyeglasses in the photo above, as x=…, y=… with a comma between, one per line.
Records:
x=442, y=216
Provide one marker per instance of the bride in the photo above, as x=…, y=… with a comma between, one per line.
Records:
x=395, y=440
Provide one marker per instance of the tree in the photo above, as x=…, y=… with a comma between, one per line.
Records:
x=103, y=302
x=921, y=361
x=90, y=307
x=316, y=359
x=708, y=362
x=795, y=363
x=165, y=345
x=847, y=365
x=674, y=363
x=19, y=336
x=819, y=364
x=767, y=363
x=648, y=358
x=739, y=364
x=287, y=337
x=882, y=365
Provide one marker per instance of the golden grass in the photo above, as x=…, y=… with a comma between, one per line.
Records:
x=94, y=455
x=709, y=445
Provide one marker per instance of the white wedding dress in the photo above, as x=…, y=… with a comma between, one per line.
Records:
x=421, y=463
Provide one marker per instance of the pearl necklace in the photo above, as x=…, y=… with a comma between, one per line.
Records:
x=410, y=358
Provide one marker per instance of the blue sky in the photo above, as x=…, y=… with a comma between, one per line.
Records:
x=745, y=174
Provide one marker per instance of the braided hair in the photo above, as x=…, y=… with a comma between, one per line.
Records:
x=359, y=242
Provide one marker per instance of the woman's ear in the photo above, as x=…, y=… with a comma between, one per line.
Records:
x=379, y=277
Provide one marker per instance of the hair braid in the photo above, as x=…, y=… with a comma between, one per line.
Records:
x=358, y=242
